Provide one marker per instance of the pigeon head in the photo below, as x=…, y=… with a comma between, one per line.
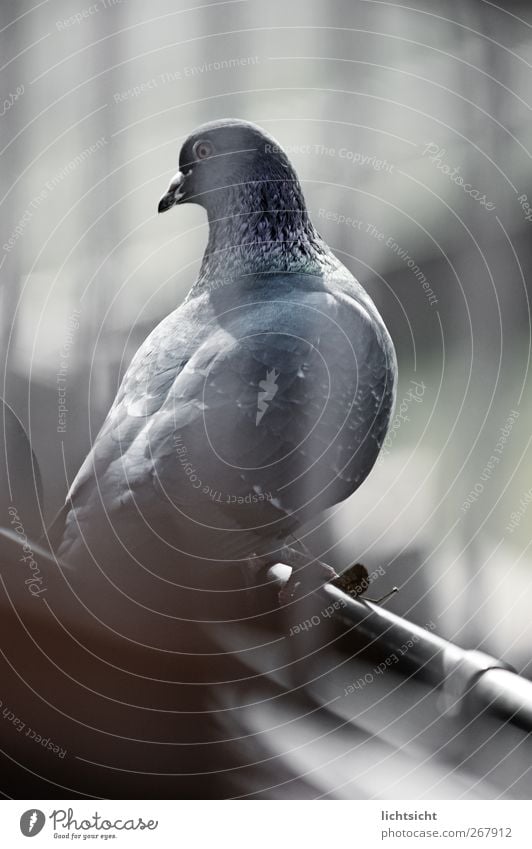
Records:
x=228, y=158
x=250, y=191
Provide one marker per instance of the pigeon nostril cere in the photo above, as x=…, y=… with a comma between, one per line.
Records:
x=176, y=182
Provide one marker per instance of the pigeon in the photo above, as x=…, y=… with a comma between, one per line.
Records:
x=260, y=402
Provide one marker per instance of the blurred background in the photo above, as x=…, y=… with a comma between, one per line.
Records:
x=410, y=129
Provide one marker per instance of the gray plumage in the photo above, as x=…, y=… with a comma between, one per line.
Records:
x=259, y=402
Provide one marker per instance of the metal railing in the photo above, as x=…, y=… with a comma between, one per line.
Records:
x=470, y=680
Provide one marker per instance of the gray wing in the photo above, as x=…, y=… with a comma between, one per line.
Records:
x=143, y=390
x=291, y=400
x=281, y=408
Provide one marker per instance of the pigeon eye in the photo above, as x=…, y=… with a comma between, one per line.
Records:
x=203, y=149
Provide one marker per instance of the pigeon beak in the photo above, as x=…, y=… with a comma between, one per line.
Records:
x=174, y=194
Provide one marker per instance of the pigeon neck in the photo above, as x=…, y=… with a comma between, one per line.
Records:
x=265, y=230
